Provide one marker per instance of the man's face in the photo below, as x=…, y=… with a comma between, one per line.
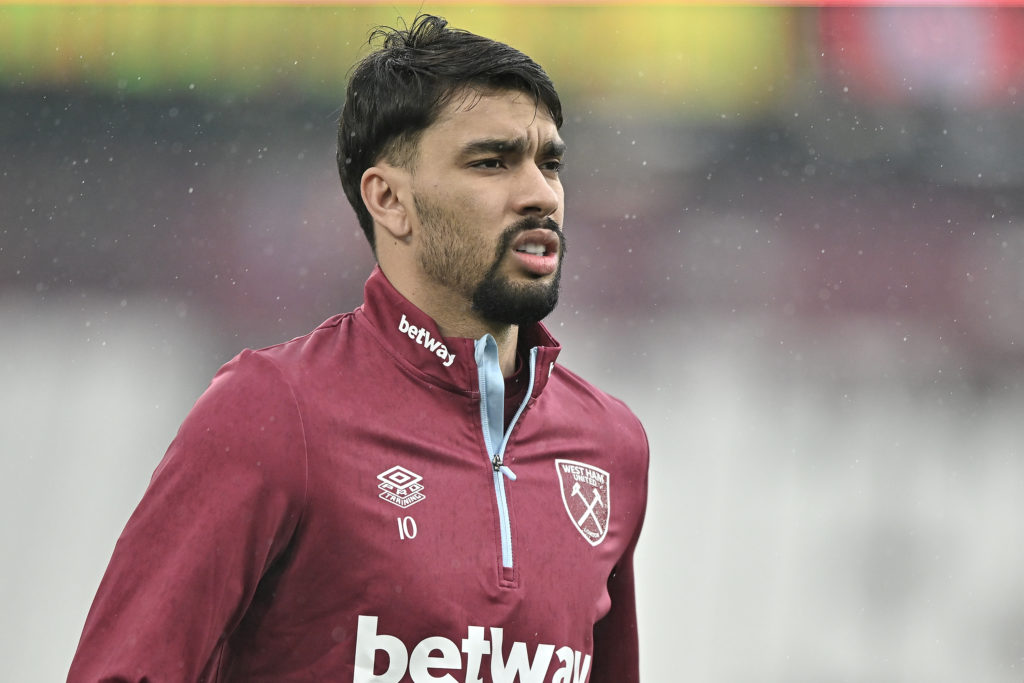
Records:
x=489, y=203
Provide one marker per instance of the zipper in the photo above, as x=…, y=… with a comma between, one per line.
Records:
x=492, y=417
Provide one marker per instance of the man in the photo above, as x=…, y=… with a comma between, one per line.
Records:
x=415, y=491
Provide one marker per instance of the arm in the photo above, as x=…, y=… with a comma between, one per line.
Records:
x=616, y=644
x=221, y=506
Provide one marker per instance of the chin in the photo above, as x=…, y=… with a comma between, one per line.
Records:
x=517, y=303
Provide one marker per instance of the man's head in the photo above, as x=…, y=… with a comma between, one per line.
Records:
x=449, y=152
x=398, y=91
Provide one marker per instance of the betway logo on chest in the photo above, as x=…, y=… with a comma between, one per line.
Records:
x=433, y=655
x=422, y=336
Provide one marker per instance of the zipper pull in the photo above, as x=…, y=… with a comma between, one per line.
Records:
x=500, y=467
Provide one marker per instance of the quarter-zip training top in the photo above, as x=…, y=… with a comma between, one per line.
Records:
x=349, y=506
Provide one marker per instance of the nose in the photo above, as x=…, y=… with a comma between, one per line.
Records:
x=536, y=193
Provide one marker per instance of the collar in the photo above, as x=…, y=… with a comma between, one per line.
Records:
x=412, y=338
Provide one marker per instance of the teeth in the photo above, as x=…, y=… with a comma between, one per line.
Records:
x=529, y=248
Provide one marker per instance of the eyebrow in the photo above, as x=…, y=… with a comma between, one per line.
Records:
x=551, y=148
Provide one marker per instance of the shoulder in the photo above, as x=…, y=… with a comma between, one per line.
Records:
x=242, y=442
x=265, y=383
x=589, y=397
x=245, y=383
x=313, y=347
x=581, y=403
x=264, y=390
x=249, y=416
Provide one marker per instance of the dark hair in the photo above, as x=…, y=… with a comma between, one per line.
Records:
x=397, y=91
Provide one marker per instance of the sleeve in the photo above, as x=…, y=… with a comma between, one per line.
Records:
x=221, y=506
x=616, y=641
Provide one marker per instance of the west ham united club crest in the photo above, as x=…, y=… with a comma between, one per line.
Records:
x=400, y=487
x=585, y=492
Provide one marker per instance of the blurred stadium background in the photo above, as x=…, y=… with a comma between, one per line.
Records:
x=797, y=252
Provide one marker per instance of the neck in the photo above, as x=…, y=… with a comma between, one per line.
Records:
x=455, y=317
x=471, y=327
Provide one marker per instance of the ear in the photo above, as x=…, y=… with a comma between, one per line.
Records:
x=383, y=188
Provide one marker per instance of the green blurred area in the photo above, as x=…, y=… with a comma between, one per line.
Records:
x=696, y=59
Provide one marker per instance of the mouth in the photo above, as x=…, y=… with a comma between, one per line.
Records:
x=532, y=248
x=537, y=251
x=537, y=242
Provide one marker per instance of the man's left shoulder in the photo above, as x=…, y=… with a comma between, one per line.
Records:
x=595, y=404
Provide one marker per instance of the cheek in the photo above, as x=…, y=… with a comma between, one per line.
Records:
x=471, y=204
x=483, y=217
x=560, y=191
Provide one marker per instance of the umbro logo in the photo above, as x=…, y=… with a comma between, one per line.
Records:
x=400, y=487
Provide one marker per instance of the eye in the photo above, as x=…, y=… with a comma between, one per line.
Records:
x=488, y=164
x=553, y=166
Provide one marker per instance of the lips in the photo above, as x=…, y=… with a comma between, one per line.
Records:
x=536, y=242
x=537, y=251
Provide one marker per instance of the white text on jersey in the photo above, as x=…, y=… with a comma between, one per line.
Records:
x=438, y=653
x=422, y=336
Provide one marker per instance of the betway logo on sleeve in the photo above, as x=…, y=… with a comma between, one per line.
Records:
x=436, y=654
x=421, y=335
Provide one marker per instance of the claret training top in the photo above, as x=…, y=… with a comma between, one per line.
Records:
x=365, y=503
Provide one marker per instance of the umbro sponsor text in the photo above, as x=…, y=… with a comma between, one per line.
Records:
x=400, y=486
x=436, y=654
x=422, y=336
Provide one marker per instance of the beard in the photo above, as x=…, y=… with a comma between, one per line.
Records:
x=456, y=256
x=498, y=299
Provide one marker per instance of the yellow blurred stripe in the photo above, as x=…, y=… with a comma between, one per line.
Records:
x=695, y=57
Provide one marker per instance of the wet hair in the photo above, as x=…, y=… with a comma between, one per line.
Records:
x=397, y=91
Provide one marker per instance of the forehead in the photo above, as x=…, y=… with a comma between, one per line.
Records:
x=471, y=114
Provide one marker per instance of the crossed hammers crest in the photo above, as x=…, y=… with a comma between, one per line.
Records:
x=591, y=504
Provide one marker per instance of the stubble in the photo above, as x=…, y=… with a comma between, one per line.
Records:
x=456, y=256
